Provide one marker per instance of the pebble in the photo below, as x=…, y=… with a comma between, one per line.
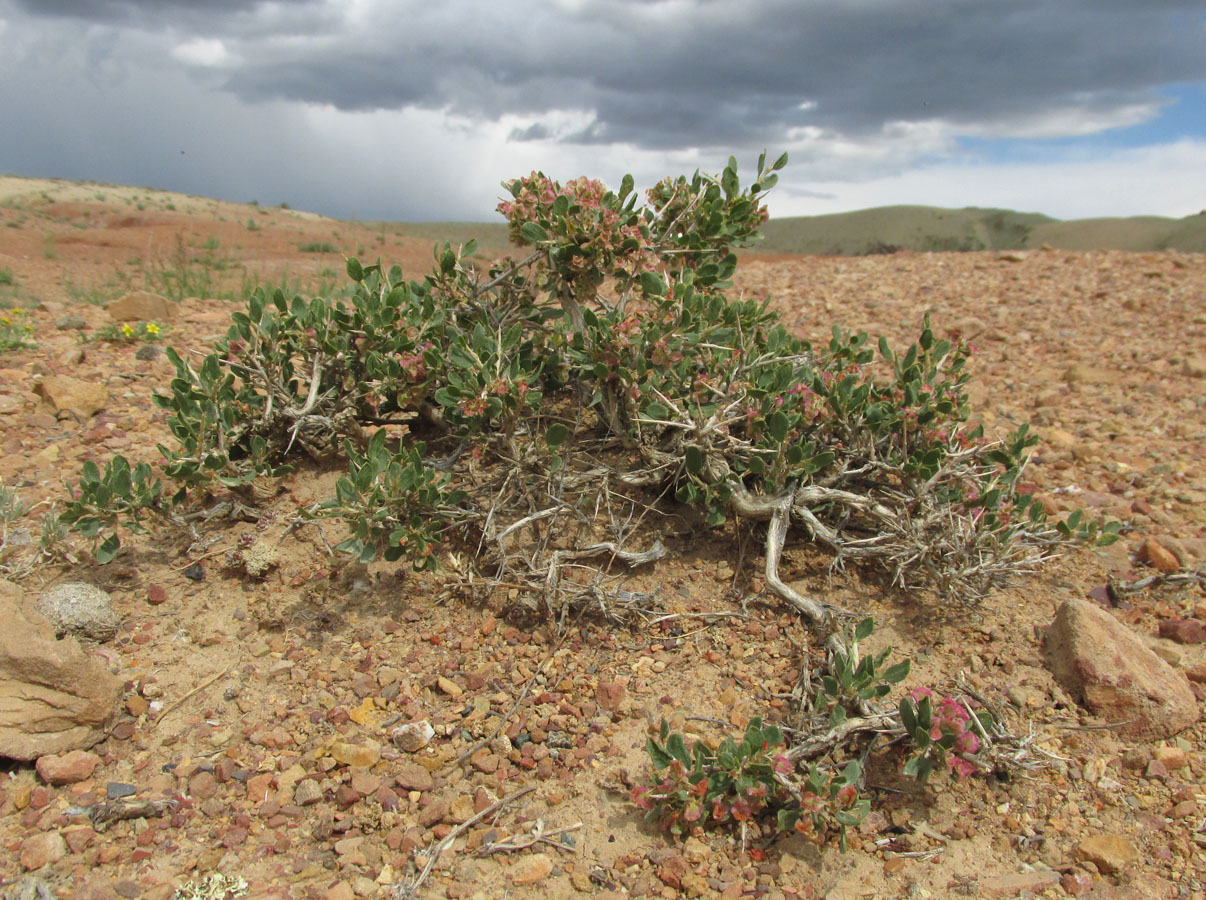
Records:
x=115, y=790
x=412, y=737
x=449, y=687
x=1111, y=853
x=1158, y=557
x=1183, y=631
x=67, y=768
x=42, y=849
x=531, y=869
x=307, y=792
x=413, y=777
x=363, y=755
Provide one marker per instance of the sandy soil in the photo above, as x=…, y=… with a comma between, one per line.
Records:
x=239, y=690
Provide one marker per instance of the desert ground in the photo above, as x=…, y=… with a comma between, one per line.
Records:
x=261, y=707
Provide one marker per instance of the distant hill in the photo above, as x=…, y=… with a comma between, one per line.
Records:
x=926, y=228
x=887, y=229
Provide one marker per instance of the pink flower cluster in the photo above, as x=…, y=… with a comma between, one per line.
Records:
x=949, y=718
x=592, y=228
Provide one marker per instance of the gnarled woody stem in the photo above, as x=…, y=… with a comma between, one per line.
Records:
x=778, y=511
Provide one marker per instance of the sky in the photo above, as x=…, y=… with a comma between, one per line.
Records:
x=416, y=111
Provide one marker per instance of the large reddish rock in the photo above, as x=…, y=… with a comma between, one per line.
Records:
x=54, y=697
x=1109, y=669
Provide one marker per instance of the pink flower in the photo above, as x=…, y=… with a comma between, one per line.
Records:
x=961, y=767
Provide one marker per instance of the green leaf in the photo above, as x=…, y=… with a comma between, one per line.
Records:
x=863, y=630
x=777, y=424
x=695, y=459
x=556, y=435
x=355, y=270
x=908, y=717
x=107, y=549
x=780, y=162
x=533, y=233
x=626, y=185
x=678, y=749
x=897, y=673
x=652, y=284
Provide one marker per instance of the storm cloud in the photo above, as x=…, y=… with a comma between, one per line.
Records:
x=857, y=90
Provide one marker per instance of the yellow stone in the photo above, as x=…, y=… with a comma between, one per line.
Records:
x=364, y=755
x=366, y=713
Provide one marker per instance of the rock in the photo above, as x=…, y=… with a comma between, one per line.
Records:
x=141, y=306
x=1111, y=853
x=1158, y=556
x=1013, y=884
x=412, y=737
x=148, y=352
x=609, y=695
x=83, y=610
x=42, y=849
x=53, y=696
x=71, y=322
x=307, y=792
x=449, y=687
x=1183, y=631
x=412, y=777
x=532, y=869
x=67, y=768
x=1194, y=367
x=364, y=755
x=1108, y=668
x=1076, y=884
x=82, y=398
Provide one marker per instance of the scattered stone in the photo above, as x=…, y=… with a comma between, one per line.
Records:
x=1108, y=668
x=1194, y=366
x=115, y=790
x=532, y=869
x=412, y=737
x=413, y=777
x=71, y=322
x=42, y=849
x=80, y=609
x=141, y=306
x=307, y=792
x=449, y=687
x=1158, y=557
x=610, y=695
x=156, y=595
x=81, y=398
x=1034, y=882
x=53, y=696
x=1076, y=884
x=1111, y=853
x=148, y=352
x=363, y=755
x=1183, y=631
x=67, y=768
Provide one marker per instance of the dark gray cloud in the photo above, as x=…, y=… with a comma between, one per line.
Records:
x=682, y=74
x=666, y=75
x=856, y=90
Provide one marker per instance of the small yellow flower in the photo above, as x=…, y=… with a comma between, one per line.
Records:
x=127, y=330
x=152, y=328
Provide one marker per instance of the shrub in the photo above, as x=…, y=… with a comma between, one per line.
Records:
x=614, y=333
